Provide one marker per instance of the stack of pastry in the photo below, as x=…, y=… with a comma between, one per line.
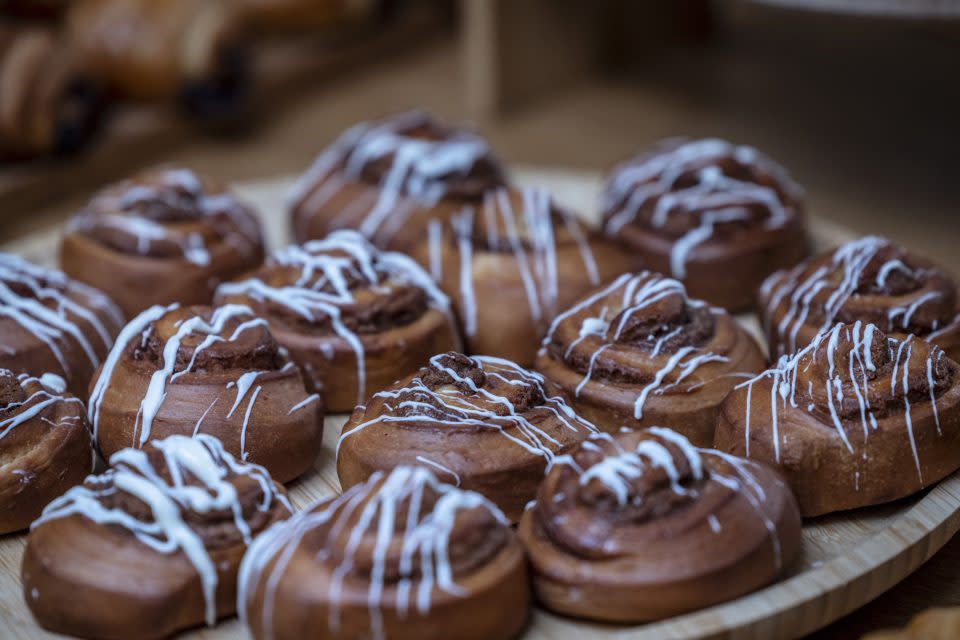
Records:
x=505, y=365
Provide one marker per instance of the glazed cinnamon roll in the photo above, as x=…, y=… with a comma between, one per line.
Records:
x=400, y=556
x=638, y=352
x=388, y=179
x=186, y=50
x=871, y=280
x=355, y=318
x=48, y=103
x=855, y=418
x=153, y=545
x=192, y=370
x=483, y=423
x=44, y=443
x=52, y=324
x=643, y=525
x=512, y=264
x=717, y=216
x=163, y=236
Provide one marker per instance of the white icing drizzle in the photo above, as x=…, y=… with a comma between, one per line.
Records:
x=419, y=169
x=201, y=459
x=442, y=468
x=306, y=401
x=535, y=252
x=51, y=312
x=783, y=381
x=840, y=279
x=372, y=509
x=459, y=410
x=49, y=393
x=320, y=266
x=716, y=197
x=173, y=187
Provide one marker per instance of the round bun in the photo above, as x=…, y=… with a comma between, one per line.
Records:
x=638, y=352
x=511, y=265
x=483, y=423
x=400, y=556
x=855, y=418
x=190, y=370
x=717, y=216
x=356, y=319
x=152, y=546
x=44, y=444
x=388, y=179
x=871, y=280
x=160, y=237
x=52, y=324
x=642, y=526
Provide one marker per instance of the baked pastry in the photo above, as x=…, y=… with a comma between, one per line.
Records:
x=484, y=423
x=52, y=324
x=191, y=51
x=717, y=216
x=153, y=545
x=871, y=280
x=44, y=443
x=354, y=318
x=190, y=370
x=48, y=103
x=642, y=526
x=388, y=179
x=400, y=556
x=638, y=352
x=162, y=236
x=939, y=623
x=855, y=418
x=511, y=265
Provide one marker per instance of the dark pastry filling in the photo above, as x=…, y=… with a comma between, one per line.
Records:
x=10, y=391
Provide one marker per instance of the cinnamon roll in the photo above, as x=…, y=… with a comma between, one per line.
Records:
x=643, y=525
x=48, y=103
x=162, y=236
x=44, y=444
x=855, y=418
x=388, y=179
x=400, y=556
x=483, y=423
x=717, y=216
x=192, y=370
x=190, y=51
x=638, y=352
x=52, y=324
x=153, y=545
x=355, y=318
x=512, y=264
x=872, y=280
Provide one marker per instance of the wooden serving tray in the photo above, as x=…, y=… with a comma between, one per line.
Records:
x=848, y=559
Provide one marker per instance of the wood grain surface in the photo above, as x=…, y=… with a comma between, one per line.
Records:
x=847, y=559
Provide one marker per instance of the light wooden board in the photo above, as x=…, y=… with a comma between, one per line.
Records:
x=847, y=559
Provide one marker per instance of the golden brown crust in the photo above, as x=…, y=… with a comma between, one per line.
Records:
x=484, y=423
x=194, y=370
x=856, y=418
x=513, y=263
x=642, y=526
x=45, y=446
x=354, y=318
x=389, y=179
x=869, y=279
x=52, y=324
x=162, y=236
x=637, y=352
x=463, y=576
x=88, y=570
x=719, y=217
x=48, y=104
x=176, y=49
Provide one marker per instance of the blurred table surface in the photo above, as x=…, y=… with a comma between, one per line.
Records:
x=867, y=126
